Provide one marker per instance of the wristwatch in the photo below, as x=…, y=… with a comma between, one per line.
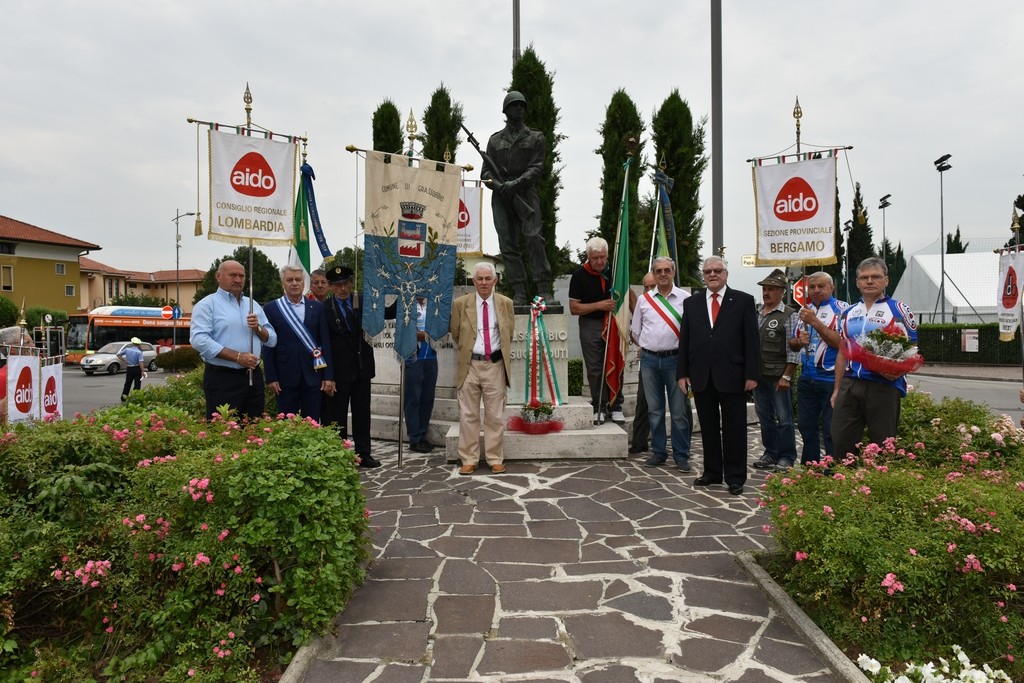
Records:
x=789, y=380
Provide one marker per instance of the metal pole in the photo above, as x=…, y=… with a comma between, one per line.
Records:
x=942, y=249
x=516, y=54
x=178, y=215
x=717, y=220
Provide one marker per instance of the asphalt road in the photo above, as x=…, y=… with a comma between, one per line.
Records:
x=1001, y=397
x=84, y=393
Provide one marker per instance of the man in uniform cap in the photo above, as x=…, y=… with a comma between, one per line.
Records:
x=131, y=354
x=352, y=360
x=773, y=395
x=518, y=153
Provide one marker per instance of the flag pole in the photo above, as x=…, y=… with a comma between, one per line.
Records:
x=630, y=151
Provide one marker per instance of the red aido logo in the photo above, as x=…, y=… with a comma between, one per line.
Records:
x=50, y=395
x=1010, y=289
x=796, y=201
x=463, y=215
x=252, y=176
x=23, y=391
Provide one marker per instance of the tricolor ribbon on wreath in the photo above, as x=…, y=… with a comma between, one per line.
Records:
x=539, y=360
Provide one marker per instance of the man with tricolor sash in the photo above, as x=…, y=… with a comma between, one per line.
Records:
x=655, y=328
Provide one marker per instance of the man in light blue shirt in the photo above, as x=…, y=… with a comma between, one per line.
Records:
x=229, y=331
x=131, y=354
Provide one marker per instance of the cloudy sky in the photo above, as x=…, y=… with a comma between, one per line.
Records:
x=96, y=96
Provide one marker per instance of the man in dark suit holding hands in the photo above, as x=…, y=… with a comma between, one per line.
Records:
x=718, y=359
x=298, y=366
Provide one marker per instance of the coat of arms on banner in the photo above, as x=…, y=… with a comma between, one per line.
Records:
x=410, y=243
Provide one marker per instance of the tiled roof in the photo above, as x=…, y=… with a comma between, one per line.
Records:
x=18, y=231
x=88, y=265
x=184, y=275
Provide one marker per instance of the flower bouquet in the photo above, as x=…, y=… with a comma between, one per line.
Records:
x=535, y=418
x=887, y=352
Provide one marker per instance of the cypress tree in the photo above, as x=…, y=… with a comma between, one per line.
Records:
x=442, y=121
x=621, y=122
x=387, y=128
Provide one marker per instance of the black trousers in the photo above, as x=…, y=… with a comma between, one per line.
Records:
x=641, y=425
x=335, y=411
x=132, y=379
x=723, y=431
x=231, y=386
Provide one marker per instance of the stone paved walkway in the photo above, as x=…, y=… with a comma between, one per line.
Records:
x=567, y=571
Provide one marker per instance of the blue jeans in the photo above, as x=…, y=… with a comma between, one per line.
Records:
x=775, y=413
x=659, y=376
x=814, y=415
x=418, y=402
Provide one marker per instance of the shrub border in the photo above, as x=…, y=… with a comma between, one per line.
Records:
x=832, y=656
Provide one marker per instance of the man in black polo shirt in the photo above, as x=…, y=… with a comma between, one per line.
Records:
x=590, y=299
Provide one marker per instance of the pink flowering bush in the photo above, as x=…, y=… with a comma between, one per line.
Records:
x=141, y=543
x=915, y=545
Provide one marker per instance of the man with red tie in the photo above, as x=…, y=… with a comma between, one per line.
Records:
x=718, y=359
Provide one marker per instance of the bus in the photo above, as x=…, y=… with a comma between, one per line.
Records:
x=90, y=331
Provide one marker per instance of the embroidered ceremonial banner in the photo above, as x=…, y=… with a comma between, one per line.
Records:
x=412, y=216
x=22, y=388
x=471, y=207
x=252, y=187
x=796, y=213
x=52, y=383
x=1008, y=300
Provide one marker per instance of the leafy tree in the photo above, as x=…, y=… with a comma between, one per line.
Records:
x=621, y=122
x=530, y=77
x=954, y=245
x=860, y=239
x=442, y=121
x=8, y=312
x=265, y=276
x=680, y=143
x=351, y=257
x=387, y=128
x=137, y=300
x=34, y=316
x=838, y=269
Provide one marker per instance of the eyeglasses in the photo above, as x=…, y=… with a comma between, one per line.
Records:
x=869, y=278
x=714, y=271
x=662, y=271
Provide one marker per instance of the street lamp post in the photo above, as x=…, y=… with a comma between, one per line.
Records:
x=942, y=165
x=848, y=228
x=884, y=204
x=177, y=273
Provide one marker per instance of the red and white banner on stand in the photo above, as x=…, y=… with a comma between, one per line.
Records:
x=51, y=381
x=471, y=206
x=22, y=388
x=796, y=213
x=252, y=189
x=1008, y=301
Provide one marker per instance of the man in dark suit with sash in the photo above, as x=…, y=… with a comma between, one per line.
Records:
x=298, y=367
x=718, y=359
x=352, y=358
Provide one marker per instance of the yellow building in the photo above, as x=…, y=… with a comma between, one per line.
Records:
x=39, y=266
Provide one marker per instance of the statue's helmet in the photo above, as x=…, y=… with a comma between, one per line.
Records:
x=512, y=96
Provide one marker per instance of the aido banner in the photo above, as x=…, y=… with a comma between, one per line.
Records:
x=471, y=206
x=1008, y=300
x=252, y=189
x=796, y=213
x=22, y=388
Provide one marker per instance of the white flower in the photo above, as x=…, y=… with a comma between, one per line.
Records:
x=868, y=664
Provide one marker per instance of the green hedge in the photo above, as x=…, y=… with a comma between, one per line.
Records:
x=575, y=376
x=941, y=344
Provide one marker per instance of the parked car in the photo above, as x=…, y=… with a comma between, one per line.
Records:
x=106, y=360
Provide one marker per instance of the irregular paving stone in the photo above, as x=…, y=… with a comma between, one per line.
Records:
x=550, y=595
x=778, y=629
x=424, y=533
x=616, y=673
x=528, y=628
x=709, y=529
x=561, y=528
x=633, y=508
x=715, y=565
x=706, y=654
x=522, y=656
x=621, y=541
x=724, y=597
x=787, y=657
x=406, y=641
x=622, y=528
x=462, y=577
x=542, y=510
x=387, y=518
x=643, y=605
x=498, y=517
x=518, y=572
x=542, y=551
x=487, y=530
x=321, y=671
x=455, y=547
x=587, y=510
x=615, y=567
x=400, y=673
x=439, y=500
x=725, y=628
x=400, y=548
x=739, y=544
x=607, y=635
x=406, y=521
x=455, y=514
x=472, y=614
x=758, y=676
x=662, y=584
x=678, y=546
x=598, y=552
x=615, y=589
x=655, y=533
x=388, y=601
x=391, y=502
x=453, y=656
x=409, y=568
x=661, y=518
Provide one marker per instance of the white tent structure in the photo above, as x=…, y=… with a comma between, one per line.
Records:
x=972, y=287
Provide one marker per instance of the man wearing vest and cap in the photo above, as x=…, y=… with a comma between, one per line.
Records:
x=518, y=153
x=298, y=367
x=773, y=396
x=655, y=328
x=352, y=358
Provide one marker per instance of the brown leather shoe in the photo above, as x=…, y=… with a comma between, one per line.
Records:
x=497, y=469
x=467, y=469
